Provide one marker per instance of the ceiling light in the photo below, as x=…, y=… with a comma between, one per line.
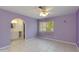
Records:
x=43, y=11
x=14, y=21
x=43, y=14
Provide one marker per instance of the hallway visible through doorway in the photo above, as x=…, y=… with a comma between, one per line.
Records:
x=17, y=29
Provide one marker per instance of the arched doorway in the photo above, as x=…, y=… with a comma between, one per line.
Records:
x=17, y=29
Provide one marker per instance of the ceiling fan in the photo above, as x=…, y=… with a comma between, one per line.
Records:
x=44, y=11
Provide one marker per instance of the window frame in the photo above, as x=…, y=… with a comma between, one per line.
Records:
x=41, y=28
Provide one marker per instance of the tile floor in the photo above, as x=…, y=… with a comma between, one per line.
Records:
x=39, y=45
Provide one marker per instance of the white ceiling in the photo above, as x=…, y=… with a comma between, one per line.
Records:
x=33, y=11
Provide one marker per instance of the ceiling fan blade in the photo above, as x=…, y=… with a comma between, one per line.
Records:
x=49, y=9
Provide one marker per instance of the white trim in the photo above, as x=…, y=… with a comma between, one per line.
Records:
x=5, y=47
x=60, y=41
x=64, y=42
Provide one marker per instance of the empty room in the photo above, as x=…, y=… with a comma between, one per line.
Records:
x=39, y=29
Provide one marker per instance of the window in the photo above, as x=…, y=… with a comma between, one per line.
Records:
x=46, y=26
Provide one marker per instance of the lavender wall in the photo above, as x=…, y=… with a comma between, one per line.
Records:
x=5, y=19
x=77, y=28
x=65, y=28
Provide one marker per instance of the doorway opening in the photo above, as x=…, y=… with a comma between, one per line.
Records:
x=17, y=29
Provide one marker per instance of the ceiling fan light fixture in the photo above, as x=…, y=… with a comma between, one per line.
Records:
x=44, y=14
x=43, y=11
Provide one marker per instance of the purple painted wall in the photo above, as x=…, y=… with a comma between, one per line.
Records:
x=65, y=31
x=77, y=28
x=5, y=19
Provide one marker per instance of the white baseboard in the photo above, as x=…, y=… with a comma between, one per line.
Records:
x=60, y=41
x=5, y=47
x=64, y=42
